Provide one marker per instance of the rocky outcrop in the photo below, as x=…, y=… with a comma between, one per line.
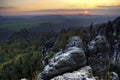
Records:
x=74, y=41
x=99, y=51
x=66, y=64
x=85, y=73
x=112, y=33
x=116, y=41
x=114, y=76
x=72, y=58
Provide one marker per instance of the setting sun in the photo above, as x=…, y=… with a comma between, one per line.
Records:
x=86, y=12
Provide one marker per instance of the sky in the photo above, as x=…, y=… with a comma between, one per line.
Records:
x=36, y=7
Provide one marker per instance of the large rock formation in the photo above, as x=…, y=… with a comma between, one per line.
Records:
x=85, y=73
x=66, y=64
x=99, y=58
x=72, y=58
x=112, y=33
x=116, y=41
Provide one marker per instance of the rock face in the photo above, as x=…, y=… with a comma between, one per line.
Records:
x=85, y=73
x=74, y=41
x=72, y=58
x=99, y=54
x=114, y=76
x=116, y=41
x=116, y=56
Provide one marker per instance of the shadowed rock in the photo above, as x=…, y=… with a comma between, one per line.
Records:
x=99, y=58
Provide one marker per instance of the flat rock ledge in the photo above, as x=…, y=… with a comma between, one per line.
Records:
x=85, y=73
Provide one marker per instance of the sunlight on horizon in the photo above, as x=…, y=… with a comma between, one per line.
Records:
x=21, y=6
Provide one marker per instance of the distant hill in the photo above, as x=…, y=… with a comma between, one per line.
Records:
x=58, y=22
x=47, y=23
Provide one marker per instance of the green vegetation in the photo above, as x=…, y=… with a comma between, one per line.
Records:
x=20, y=58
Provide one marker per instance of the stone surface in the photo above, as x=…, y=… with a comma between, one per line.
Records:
x=72, y=58
x=99, y=58
x=74, y=41
x=114, y=76
x=85, y=73
x=24, y=79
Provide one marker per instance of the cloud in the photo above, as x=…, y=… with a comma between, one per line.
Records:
x=56, y=10
x=7, y=7
x=103, y=11
x=118, y=6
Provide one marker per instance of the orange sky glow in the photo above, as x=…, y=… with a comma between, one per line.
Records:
x=86, y=6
